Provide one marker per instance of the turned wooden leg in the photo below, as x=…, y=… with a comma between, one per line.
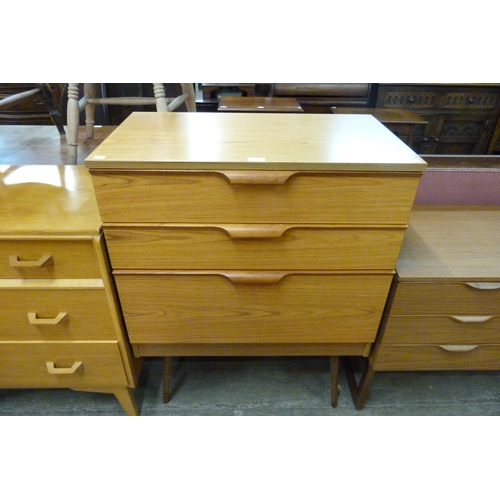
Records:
x=359, y=392
x=334, y=380
x=161, y=97
x=125, y=397
x=89, y=89
x=167, y=375
x=73, y=121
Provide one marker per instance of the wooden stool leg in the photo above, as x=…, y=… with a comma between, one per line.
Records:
x=359, y=392
x=73, y=121
x=167, y=375
x=161, y=97
x=334, y=380
x=89, y=89
x=188, y=88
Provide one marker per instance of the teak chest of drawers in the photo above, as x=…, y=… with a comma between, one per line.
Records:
x=444, y=307
x=60, y=324
x=249, y=234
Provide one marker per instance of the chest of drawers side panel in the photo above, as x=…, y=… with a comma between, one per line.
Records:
x=132, y=364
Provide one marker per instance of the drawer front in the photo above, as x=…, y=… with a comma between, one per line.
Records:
x=55, y=315
x=470, y=100
x=408, y=99
x=51, y=364
x=48, y=259
x=209, y=197
x=252, y=307
x=466, y=329
x=447, y=298
x=272, y=246
x=434, y=357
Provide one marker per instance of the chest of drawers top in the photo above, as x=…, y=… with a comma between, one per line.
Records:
x=248, y=141
x=41, y=200
x=451, y=243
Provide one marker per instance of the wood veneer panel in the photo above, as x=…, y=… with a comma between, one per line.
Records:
x=304, y=308
x=241, y=246
x=209, y=197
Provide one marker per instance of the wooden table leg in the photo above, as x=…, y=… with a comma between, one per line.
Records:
x=125, y=397
x=334, y=380
x=167, y=375
x=359, y=392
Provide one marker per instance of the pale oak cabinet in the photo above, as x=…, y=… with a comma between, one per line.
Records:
x=249, y=234
x=60, y=324
x=443, y=312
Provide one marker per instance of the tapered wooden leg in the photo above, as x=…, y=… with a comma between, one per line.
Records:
x=126, y=399
x=359, y=392
x=167, y=375
x=124, y=395
x=334, y=380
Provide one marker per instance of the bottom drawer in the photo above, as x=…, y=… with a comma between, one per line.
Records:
x=250, y=307
x=435, y=357
x=52, y=364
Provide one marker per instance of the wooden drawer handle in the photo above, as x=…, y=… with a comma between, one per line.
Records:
x=458, y=348
x=51, y=368
x=255, y=231
x=34, y=320
x=472, y=319
x=266, y=177
x=43, y=261
x=484, y=286
x=254, y=277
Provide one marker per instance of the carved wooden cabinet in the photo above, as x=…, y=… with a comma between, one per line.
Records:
x=248, y=234
x=60, y=324
x=461, y=118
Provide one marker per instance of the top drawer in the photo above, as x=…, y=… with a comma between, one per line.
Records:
x=408, y=98
x=447, y=298
x=244, y=197
x=48, y=259
x=470, y=100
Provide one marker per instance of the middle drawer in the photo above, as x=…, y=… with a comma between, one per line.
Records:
x=244, y=246
x=453, y=329
x=57, y=314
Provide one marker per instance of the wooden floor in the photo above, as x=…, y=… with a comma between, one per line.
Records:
x=42, y=144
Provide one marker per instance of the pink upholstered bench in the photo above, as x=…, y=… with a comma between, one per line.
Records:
x=461, y=185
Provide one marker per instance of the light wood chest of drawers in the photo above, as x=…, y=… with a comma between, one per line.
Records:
x=444, y=307
x=249, y=234
x=60, y=324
